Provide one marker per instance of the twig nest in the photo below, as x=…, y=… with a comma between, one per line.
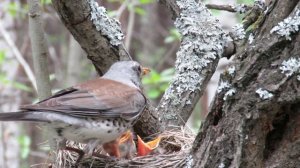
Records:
x=172, y=150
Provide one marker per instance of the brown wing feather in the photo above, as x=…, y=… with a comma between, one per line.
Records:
x=95, y=98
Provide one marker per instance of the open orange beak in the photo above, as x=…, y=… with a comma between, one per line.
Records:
x=145, y=71
x=126, y=137
x=114, y=148
x=143, y=148
x=146, y=148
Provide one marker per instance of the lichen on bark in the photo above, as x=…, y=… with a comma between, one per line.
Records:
x=201, y=47
x=109, y=27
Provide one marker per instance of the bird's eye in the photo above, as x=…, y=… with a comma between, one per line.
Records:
x=139, y=68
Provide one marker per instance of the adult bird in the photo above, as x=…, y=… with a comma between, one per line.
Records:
x=94, y=112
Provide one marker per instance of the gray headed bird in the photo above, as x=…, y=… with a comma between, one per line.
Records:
x=94, y=112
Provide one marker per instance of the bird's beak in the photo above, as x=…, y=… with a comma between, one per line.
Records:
x=145, y=71
x=143, y=148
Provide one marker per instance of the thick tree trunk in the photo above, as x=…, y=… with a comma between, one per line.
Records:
x=247, y=130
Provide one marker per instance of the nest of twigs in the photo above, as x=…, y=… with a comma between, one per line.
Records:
x=171, y=152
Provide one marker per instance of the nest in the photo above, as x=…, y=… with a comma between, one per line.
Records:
x=171, y=152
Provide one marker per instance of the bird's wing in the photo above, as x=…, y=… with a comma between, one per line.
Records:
x=96, y=98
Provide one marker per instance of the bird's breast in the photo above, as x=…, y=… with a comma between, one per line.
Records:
x=105, y=130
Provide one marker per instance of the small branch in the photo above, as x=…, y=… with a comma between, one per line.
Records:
x=121, y=10
x=39, y=50
x=167, y=56
x=130, y=27
x=168, y=160
x=229, y=8
x=18, y=55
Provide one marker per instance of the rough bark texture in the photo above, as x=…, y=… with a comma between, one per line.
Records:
x=99, y=49
x=245, y=130
x=201, y=48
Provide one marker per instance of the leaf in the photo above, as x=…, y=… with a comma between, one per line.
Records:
x=247, y=2
x=21, y=86
x=166, y=72
x=167, y=75
x=139, y=11
x=215, y=12
x=156, y=83
x=12, y=8
x=169, y=39
x=144, y=2
x=174, y=35
x=24, y=142
x=120, y=1
x=2, y=56
x=111, y=13
x=163, y=87
x=155, y=77
x=3, y=79
x=152, y=78
x=166, y=79
x=17, y=85
x=153, y=93
x=45, y=2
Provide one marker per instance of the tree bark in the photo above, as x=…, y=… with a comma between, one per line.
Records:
x=201, y=48
x=254, y=119
x=103, y=47
x=246, y=130
x=39, y=50
x=40, y=57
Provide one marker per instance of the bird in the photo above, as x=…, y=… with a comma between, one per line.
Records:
x=94, y=112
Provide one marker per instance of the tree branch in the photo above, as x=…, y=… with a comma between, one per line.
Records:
x=238, y=132
x=18, y=55
x=39, y=50
x=253, y=126
x=229, y=8
x=201, y=47
x=98, y=35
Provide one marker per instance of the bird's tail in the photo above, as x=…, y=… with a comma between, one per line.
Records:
x=21, y=116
